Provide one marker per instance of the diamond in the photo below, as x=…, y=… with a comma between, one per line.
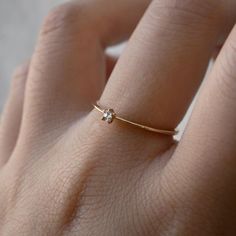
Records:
x=108, y=115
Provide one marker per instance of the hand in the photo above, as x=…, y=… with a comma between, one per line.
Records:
x=65, y=172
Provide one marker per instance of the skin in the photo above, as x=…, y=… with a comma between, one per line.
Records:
x=65, y=172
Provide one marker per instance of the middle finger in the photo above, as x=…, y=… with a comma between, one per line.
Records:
x=68, y=66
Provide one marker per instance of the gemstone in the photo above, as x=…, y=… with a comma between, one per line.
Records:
x=108, y=115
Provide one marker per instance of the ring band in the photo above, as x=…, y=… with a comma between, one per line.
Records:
x=109, y=116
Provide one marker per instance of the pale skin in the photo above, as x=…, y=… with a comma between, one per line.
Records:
x=63, y=171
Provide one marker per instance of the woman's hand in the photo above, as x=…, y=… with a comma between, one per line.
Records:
x=65, y=172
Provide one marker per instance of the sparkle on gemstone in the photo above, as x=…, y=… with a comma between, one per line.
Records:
x=108, y=115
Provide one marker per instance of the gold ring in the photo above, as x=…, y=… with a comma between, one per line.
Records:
x=109, y=116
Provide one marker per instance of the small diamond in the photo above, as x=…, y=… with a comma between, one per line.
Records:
x=108, y=115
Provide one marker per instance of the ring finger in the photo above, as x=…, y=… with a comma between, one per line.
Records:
x=160, y=71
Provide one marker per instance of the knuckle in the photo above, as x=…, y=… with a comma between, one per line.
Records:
x=64, y=17
x=189, y=13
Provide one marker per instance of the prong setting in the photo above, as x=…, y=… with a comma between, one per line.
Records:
x=108, y=115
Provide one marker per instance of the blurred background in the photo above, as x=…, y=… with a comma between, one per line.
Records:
x=19, y=24
x=20, y=21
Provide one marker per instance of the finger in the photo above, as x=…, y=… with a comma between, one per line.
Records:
x=210, y=136
x=204, y=163
x=164, y=63
x=12, y=114
x=68, y=67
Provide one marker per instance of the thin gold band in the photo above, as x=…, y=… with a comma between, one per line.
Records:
x=109, y=115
